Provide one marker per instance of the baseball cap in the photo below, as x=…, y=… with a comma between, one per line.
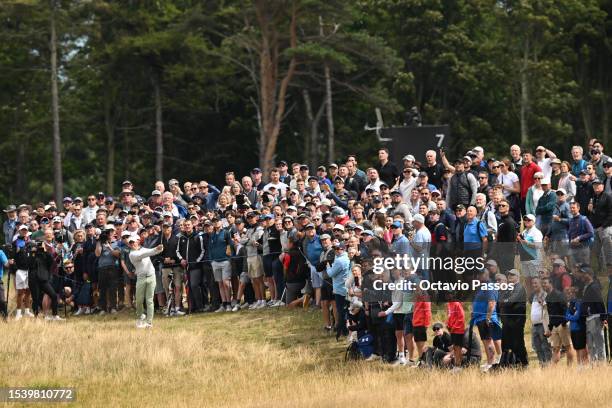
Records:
x=419, y=218
x=608, y=162
x=282, y=163
x=325, y=236
x=555, y=161
x=339, y=227
x=22, y=227
x=530, y=217
x=126, y=182
x=100, y=194
x=334, y=165
x=256, y=170
x=125, y=234
x=459, y=207
x=491, y=262
x=57, y=219
x=597, y=181
x=166, y=214
x=339, y=245
x=561, y=191
x=321, y=168
x=303, y=167
x=396, y=224
x=514, y=272
x=395, y=192
x=422, y=174
x=78, y=200
x=292, y=208
x=586, y=269
x=545, y=180
x=133, y=238
x=67, y=199
x=156, y=193
x=560, y=262
x=326, y=202
x=368, y=232
x=409, y=157
x=108, y=227
x=310, y=225
x=437, y=326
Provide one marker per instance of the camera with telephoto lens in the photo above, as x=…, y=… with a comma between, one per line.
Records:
x=58, y=236
x=35, y=247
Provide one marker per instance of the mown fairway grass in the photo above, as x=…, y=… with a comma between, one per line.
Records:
x=270, y=358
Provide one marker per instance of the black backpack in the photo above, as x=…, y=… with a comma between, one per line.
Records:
x=352, y=352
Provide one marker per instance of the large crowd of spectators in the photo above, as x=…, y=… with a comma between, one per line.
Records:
x=309, y=238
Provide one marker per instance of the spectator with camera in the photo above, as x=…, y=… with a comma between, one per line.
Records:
x=107, y=253
x=40, y=264
x=190, y=252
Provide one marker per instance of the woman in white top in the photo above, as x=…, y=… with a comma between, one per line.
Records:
x=567, y=181
x=534, y=193
x=507, y=179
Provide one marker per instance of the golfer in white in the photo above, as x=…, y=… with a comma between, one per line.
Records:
x=145, y=279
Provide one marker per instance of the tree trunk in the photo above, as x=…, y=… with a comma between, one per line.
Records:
x=525, y=94
x=159, y=136
x=331, y=153
x=328, y=104
x=309, y=119
x=313, y=122
x=58, y=185
x=20, y=178
x=109, y=126
x=126, y=154
x=272, y=93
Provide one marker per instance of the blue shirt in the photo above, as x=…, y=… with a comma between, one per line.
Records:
x=339, y=272
x=3, y=261
x=481, y=306
x=473, y=233
x=400, y=245
x=313, y=249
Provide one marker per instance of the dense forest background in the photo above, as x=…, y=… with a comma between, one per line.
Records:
x=93, y=92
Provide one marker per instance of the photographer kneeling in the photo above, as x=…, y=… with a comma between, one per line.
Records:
x=40, y=263
x=145, y=279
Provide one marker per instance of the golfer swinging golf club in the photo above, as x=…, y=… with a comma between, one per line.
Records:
x=145, y=279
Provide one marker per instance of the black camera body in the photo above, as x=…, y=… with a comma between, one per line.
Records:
x=104, y=237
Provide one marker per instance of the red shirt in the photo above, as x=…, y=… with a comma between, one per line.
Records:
x=527, y=172
x=456, y=318
x=422, y=314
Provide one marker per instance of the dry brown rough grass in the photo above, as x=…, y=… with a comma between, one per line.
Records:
x=271, y=358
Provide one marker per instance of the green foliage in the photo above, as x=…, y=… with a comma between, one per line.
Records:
x=459, y=61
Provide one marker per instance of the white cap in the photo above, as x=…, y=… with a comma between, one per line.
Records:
x=545, y=180
x=133, y=238
x=156, y=192
x=562, y=191
x=23, y=227
x=530, y=216
x=339, y=227
x=326, y=202
x=291, y=208
x=478, y=149
x=109, y=227
x=419, y=218
x=166, y=214
x=57, y=219
x=125, y=234
x=409, y=157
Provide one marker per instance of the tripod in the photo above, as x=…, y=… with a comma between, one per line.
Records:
x=170, y=302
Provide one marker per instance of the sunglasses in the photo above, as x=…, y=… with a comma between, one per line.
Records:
x=495, y=167
x=503, y=205
x=194, y=188
x=482, y=178
x=537, y=178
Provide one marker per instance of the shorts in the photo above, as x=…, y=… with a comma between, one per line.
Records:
x=529, y=269
x=255, y=267
x=315, y=278
x=419, y=333
x=560, y=336
x=244, y=278
x=408, y=329
x=457, y=339
x=221, y=270
x=579, y=339
x=178, y=275
x=327, y=291
x=488, y=331
x=21, y=279
x=398, y=321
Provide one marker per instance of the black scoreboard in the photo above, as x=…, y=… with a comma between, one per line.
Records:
x=415, y=140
